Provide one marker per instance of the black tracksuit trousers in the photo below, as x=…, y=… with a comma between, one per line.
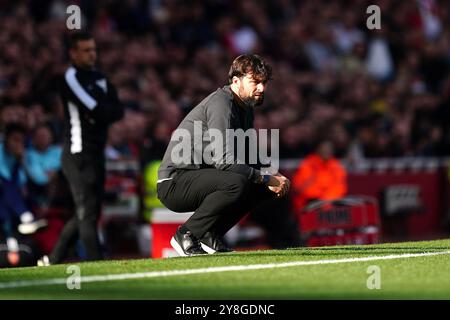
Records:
x=86, y=177
x=218, y=198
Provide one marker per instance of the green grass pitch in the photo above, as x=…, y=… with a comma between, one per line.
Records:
x=420, y=276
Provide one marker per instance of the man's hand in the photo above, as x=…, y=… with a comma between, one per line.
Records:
x=279, y=184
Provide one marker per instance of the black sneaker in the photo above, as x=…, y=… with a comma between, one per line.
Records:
x=213, y=244
x=186, y=244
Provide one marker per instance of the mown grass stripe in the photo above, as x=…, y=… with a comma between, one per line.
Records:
x=170, y=273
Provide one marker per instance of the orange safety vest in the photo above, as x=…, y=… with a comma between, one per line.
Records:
x=318, y=179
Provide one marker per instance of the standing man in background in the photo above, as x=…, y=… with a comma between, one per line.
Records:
x=91, y=104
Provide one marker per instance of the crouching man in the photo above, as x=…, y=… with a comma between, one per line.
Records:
x=223, y=190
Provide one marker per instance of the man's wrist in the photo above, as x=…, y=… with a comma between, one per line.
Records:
x=264, y=179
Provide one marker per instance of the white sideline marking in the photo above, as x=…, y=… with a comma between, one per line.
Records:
x=156, y=274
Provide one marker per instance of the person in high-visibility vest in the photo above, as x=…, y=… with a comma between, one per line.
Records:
x=150, y=176
x=319, y=177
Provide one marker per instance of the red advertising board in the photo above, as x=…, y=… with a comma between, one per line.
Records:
x=413, y=194
x=419, y=221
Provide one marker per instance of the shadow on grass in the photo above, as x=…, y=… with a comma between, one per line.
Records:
x=331, y=251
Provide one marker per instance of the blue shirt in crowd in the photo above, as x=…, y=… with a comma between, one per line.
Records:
x=37, y=164
x=40, y=163
x=8, y=166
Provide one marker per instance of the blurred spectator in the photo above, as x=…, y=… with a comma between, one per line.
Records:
x=43, y=157
x=319, y=177
x=116, y=145
x=43, y=160
x=346, y=33
x=13, y=176
x=379, y=62
x=156, y=146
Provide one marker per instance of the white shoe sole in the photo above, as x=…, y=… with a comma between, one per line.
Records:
x=43, y=262
x=207, y=249
x=177, y=247
x=29, y=228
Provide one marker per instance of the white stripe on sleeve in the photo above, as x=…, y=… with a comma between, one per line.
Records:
x=78, y=90
x=76, y=143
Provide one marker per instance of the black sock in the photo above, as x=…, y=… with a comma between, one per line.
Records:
x=183, y=229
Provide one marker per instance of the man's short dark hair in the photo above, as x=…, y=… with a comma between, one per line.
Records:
x=77, y=36
x=250, y=63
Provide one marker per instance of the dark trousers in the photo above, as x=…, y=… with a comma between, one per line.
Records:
x=86, y=177
x=12, y=205
x=218, y=198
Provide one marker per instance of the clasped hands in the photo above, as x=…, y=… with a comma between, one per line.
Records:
x=279, y=184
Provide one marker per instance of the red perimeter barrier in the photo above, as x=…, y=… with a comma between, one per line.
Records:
x=351, y=220
x=411, y=202
x=413, y=194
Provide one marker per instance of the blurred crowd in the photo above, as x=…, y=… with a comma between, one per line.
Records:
x=373, y=93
